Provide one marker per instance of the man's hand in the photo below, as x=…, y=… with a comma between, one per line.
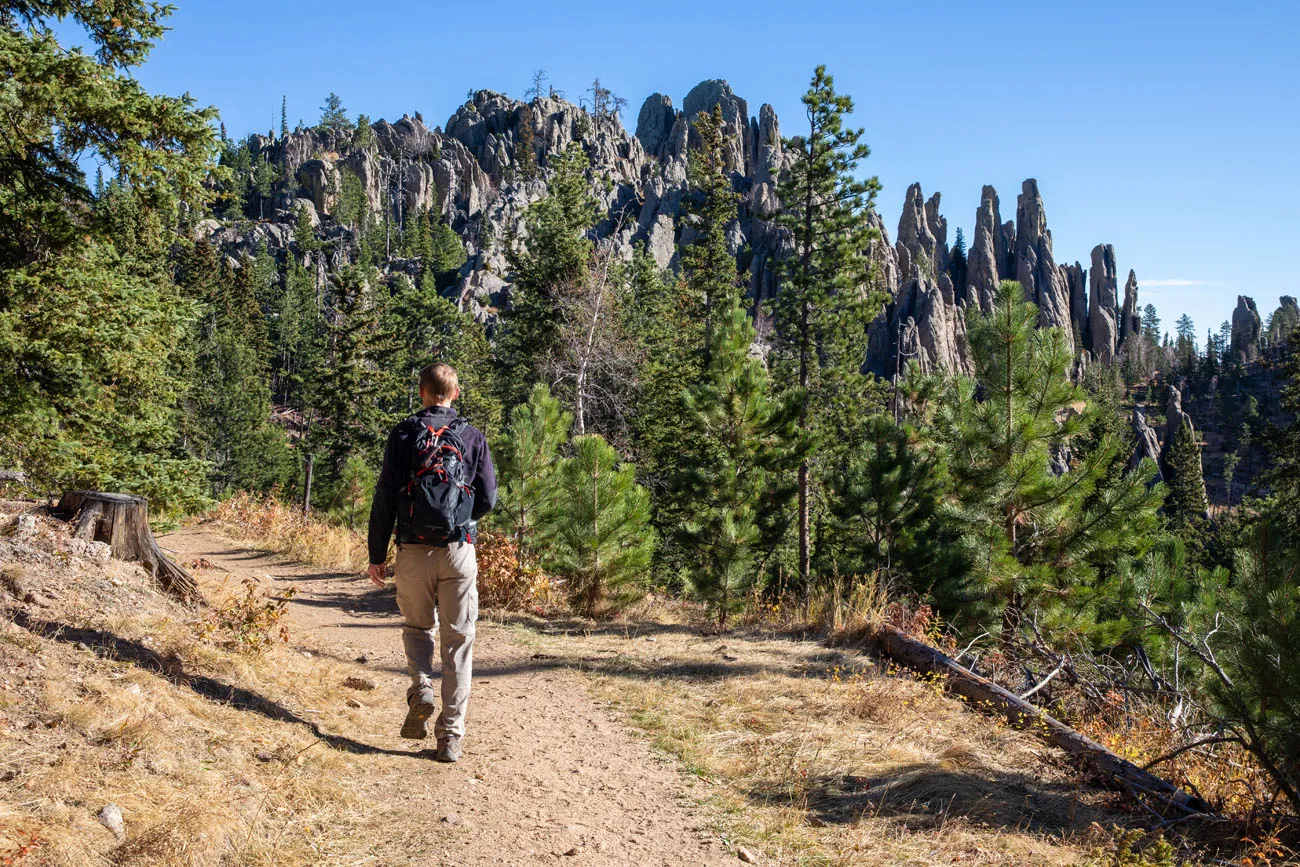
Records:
x=378, y=574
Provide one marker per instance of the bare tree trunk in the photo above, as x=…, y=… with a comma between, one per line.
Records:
x=1115, y=771
x=122, y=521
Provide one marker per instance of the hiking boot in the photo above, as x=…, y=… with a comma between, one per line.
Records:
x=448, y=749
x=422, y=707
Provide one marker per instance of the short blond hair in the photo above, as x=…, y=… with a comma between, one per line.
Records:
x=439, y=382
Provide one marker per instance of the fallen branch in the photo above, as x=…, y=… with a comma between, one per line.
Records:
x=983, y=693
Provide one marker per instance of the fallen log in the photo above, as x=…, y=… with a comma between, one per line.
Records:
x=982, y=693
x=122, y=521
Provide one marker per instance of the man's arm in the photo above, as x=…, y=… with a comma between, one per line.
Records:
x=485, y=484
x=383, y=509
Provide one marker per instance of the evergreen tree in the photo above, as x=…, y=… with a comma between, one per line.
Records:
x=364, y=136
x=1283, y=477
x=735, y=478
x=1038, y=538
x=1151, y=324
x=887, y=502
x=1259, y=692
x=525, y=156
x=284, y=115
x=334, y=122
x=1185, y=502
x=95, y=338
x=554, y=263
x=357, y=376
x=707, y=263
x=823, y=307
x=429, y=328
x=528, y=458
x=597, y=532
x=446, y=253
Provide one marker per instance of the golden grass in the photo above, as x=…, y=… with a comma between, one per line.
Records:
x=107, y=695
x=284, y=529
x=818, y=757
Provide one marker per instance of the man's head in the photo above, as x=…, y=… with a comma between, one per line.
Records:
x=439, y=385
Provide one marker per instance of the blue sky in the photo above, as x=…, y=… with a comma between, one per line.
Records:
x=1167, y=129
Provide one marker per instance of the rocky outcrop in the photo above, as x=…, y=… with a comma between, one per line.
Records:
x=1244, y=340
x=1036, y=270
x=1130, y=320
x=1148, y=446
x=1103, y=324
x=473, y=174
x=1284, y=321
x=1175, y=419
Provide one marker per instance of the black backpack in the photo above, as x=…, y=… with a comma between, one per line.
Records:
x=439, y=501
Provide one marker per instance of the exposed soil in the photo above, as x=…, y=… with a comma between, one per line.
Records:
x=548, y=776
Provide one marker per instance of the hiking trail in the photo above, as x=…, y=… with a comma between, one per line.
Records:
x=548, y=776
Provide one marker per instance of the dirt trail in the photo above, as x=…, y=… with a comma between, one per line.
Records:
x=548, y=776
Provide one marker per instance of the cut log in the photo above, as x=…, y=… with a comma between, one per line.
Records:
x=122, y=521
x=984, y=694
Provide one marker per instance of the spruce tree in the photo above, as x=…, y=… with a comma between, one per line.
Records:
x=597, y=532
x=358, y=375
x=525, y=156
x=1185, y=502
x=552, y=264
x=527, y=456
x=429, y=328
x=824, y=306
x=284, y=115
x=708, y=264
x=1038, y=539
x=735, y=477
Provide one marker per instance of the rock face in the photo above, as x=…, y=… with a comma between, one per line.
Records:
x=472, y=173
x=1103, y=325
x=1148, y=446
x=1244, y=341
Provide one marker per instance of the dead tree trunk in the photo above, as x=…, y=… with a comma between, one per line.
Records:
x=986, y=695
x=122, y=521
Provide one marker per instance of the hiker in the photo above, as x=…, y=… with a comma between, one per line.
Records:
x=437, y=481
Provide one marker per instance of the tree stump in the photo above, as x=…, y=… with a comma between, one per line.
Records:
x=122, y=521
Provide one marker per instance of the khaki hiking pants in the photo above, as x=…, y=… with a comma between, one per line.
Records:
x=437, y=589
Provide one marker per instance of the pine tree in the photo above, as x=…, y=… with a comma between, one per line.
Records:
x=707, y=263
x=284, y=115
x=887, y=501
x=1283, y=443
x=525, y=156
x=553, y=264
x=1259, y=694
x=528, y=458
x=823, y=307
x=334, y=122
x=735, y=477
x=1185, y=503
x=446, y=253
x=597, y=533
x=357, y=375
x=429, y=328
x=1037, y=539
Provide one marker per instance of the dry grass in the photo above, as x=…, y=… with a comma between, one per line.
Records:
x=818, y=756
x=107, y=695
x=284, y=529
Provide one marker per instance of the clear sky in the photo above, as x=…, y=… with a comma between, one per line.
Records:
x=1168, y=129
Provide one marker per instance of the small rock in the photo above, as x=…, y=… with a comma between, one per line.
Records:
x=745, y=855
x=111, y=818
x=352, y=702
x=573, y=851
x=364, y=684
x=264, y=756
x=451, y=819
x=307, y=653
x=81, y=645
x=363, y=659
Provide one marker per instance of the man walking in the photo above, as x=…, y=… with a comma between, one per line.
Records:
x=436, y=482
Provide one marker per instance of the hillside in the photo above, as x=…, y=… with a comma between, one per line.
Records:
x=781, y=747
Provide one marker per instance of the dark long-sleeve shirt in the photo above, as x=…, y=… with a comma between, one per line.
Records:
x=399, y=454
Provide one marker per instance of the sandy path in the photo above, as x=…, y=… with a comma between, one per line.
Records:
x=547, y=777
